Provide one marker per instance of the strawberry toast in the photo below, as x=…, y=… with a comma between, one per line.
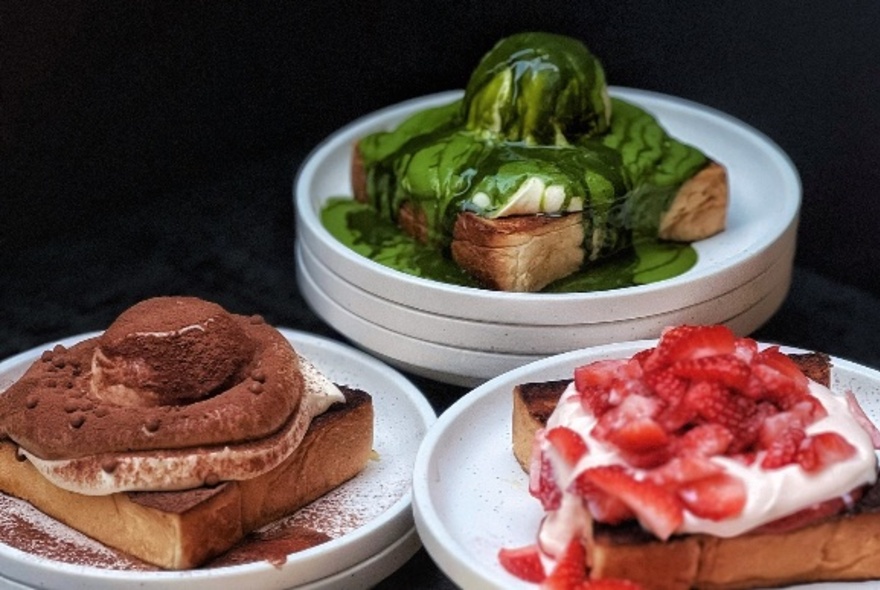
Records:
x=704, y=462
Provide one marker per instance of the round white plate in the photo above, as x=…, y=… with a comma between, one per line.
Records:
x=471, y=367
x=765, y=197
x=470, y=496
x=531, y=339
x=366, y=515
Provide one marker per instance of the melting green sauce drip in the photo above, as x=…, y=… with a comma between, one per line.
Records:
x=536, y=107
x=361, y=228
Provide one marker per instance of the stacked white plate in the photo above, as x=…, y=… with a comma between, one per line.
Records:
x=465, y=336
x=369, y=518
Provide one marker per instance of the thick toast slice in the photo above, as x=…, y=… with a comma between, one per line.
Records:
x=526, y=253
x=182, y=530
x=843, y=547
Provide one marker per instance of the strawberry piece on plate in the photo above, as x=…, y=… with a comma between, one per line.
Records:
x=523, y=562
x=570, y=570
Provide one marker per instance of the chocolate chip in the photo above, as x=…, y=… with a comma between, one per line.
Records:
x=71, y=406
x=109, y=465
x=257, y=319
x=258, y=375
x=59, y=349
x=212, y=479
x=58, y=362
x=152, y=424
x=31, y=402
x=46, y=356
x=69, y=384
x=77, y=420
x=20, y=456
x=255, y=388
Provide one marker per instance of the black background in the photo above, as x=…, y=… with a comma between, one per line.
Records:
x=149, y=148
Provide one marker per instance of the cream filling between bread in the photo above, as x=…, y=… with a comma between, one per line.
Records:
x=173, y=470
x=771, y=494
x=532, y=197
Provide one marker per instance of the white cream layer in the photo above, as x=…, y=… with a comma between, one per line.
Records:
x=771, y=494
x=170, y=470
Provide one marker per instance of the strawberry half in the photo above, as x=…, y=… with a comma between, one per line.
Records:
x=717, y=497
x=823, y=449
x=570, y=570
x=568, y=443
x=523, y=562
x=659, y=510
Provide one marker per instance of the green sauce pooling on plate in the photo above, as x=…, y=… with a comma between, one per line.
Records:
x=535, y=133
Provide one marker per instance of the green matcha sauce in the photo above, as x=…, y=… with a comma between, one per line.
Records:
x=536, y=112
x=361, y=228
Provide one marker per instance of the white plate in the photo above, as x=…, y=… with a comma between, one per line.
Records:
x=469, y=367
x=470, y=496
x=532, y=339
x=374, y=508
x=362, y=575
x=765, y=196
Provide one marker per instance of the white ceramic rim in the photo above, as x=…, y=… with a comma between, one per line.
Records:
x=360, y=370
x=470, y=368
x=458, y=560
x=524, y=338
x=551, y=308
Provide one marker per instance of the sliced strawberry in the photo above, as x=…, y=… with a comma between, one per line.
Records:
x=778, y=387
x=861, y=417
x=634, y=407
x=570, y=570
x=715, y=403
x=667, y=385
x=595, y=400
x=523, y=562
x=656, y=508
x=705, y=440
x=609, y=509
x=641, y=435
x=542, y=480
x=725, y=368
x=745, y=350
x=781, y=362
x=689, y=342
x=598, y=373
x=568, y=444
x=783, y=449
x=716, y=497
x=823, y=449
x=602, y=506
x=682, y=470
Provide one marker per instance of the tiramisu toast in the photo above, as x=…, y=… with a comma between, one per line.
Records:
x=177, y=431
x=536, y=171
x=701, y=463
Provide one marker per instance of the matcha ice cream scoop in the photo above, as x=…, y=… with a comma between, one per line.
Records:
x=538, y=88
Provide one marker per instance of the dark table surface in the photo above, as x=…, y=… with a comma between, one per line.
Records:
x=150, y=151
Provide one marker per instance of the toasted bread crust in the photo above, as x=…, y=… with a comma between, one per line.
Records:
x=845, y=547
x=526, y=253
x=699, y=209
x=181, y=530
